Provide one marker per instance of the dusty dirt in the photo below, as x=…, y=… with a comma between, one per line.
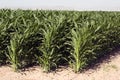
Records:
x=107, y=69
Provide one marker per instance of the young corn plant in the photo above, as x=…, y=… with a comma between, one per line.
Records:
x=15, y=51
x=80, y=42
x=50, y=56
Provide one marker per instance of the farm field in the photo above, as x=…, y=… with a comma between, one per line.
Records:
x=50, y=39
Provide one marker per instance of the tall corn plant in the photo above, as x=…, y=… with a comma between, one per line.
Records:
x=81, y=40
x=50, y=56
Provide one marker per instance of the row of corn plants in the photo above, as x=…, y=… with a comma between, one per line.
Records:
x=54, y=38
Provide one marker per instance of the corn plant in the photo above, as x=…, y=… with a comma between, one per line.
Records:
x=81, y=41
x=19, y=39
x=50, y=56
x=15, y=51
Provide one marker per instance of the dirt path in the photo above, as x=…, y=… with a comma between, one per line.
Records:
x=108, y=69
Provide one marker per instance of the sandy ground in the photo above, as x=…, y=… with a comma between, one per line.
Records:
x=106, y=69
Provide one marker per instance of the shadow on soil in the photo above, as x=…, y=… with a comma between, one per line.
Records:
x=105, y=59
